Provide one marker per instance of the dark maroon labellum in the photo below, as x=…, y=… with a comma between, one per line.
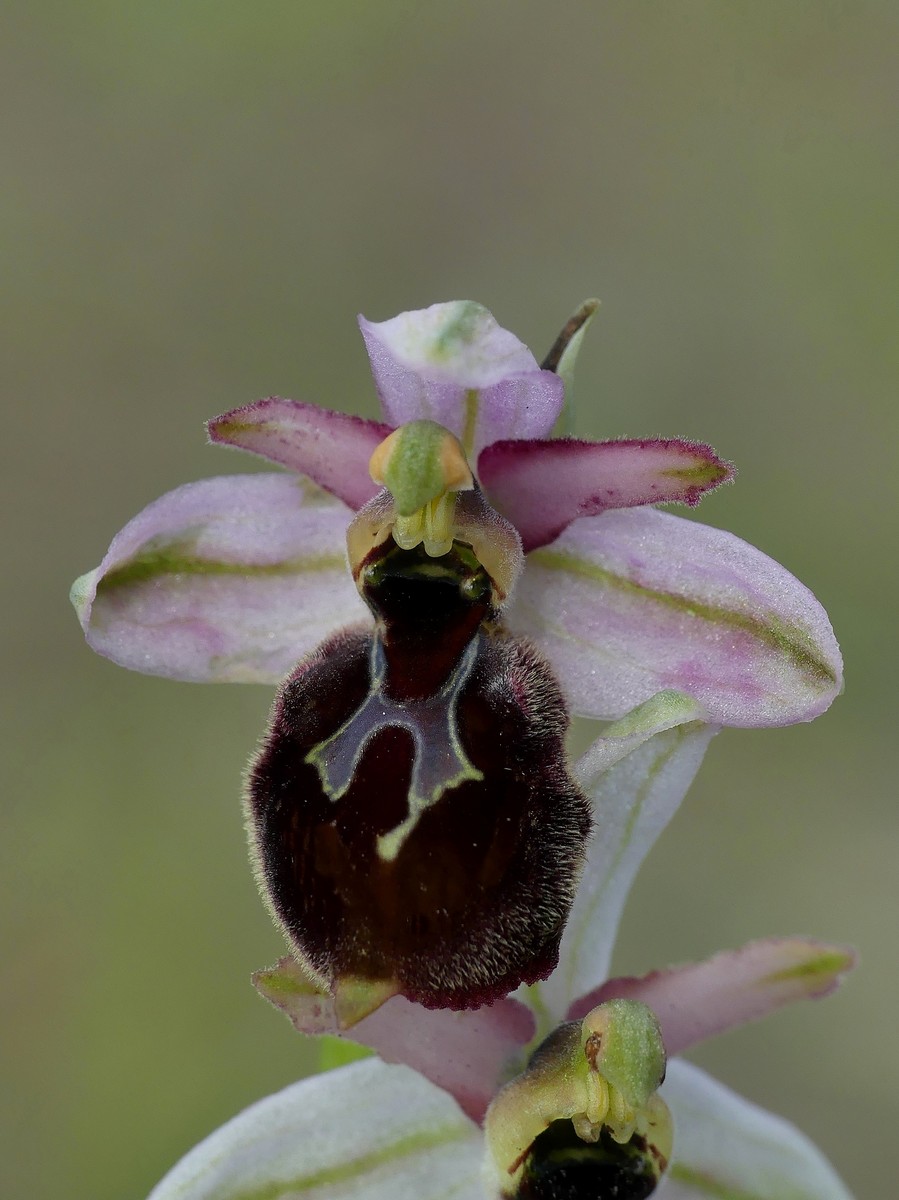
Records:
x=414, y=820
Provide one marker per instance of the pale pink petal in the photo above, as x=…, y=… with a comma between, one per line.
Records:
x=332, y=448
x=232, y=579
x=453, y=364
x=464, y=1053
x=725, y=1146
x=698, y=1000
x=631, y=602
x=367, y=1131
x=542, y=486
x=636, y=775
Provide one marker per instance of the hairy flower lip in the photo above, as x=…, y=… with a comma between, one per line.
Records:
x=435, y=739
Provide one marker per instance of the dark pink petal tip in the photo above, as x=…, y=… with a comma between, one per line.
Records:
x=331, y=448
x=580, y=479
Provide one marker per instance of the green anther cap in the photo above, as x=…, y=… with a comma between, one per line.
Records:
x=418, y=463
x=585, y=1107
x=623, y=1043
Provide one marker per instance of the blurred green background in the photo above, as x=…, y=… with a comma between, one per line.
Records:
x=197, y=199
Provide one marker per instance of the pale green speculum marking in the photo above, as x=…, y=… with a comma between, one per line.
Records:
x=439, y=761
x=794, y=643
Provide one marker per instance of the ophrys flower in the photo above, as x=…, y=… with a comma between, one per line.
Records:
x=383, y=862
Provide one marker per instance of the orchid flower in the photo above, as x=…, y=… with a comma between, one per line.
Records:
x=429, y=731
x=461, y=1105
x=416, y=827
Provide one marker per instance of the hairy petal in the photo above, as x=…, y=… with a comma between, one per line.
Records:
x=727, y=1148
x=698, y=1000
x=366, y=1130
x=453, y=364
x=580, y=479
x=630, y=602
x=462, y=1052
x=231, y=579
x=636, y=775
x=332, y=448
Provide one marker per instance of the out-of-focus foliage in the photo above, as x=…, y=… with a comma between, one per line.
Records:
x=197, y=199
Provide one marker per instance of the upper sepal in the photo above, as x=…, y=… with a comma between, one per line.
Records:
x=453, y=364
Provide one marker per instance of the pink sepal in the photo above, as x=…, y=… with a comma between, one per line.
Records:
x=634, y=601
x=232, y=579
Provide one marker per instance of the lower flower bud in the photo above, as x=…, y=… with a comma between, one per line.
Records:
x=583, y=1121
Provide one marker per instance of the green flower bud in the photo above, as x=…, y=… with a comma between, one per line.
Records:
x=584, y=1119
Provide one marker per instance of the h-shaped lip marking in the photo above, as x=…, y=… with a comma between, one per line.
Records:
x=439, y=761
